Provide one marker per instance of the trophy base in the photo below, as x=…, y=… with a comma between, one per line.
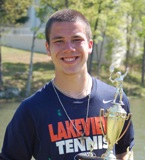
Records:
x=83, y=156
x=109, y=155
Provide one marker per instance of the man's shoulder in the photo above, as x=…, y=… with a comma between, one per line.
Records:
x=103, y=90
x=39, y=96
x=101, y=85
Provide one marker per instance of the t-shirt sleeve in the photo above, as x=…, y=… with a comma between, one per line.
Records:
x=20, y=136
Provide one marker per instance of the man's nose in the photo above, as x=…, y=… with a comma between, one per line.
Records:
x=69, y=46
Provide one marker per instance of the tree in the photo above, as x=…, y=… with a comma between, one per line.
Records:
x=2, y=12
x=12, y=13
x=40, y=13
x=143, y=66
x=141, y=34
x=105, y=22
x=94, y=37
x=66, y=3
x=131, y=15
x=138, y=14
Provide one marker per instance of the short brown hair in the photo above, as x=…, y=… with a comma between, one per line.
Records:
x=67, y=15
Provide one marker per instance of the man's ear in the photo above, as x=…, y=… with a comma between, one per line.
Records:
x=47, y=48
x=90, y=46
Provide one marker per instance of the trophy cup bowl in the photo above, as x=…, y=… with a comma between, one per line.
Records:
x=115, y=118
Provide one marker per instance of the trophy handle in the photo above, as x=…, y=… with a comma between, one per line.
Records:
x=101, y=124
x=129, y=116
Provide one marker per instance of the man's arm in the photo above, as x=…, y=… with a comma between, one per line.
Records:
x=125, y=156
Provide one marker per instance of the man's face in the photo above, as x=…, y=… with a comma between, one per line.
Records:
x=69, y=47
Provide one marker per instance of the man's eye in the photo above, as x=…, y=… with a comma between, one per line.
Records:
x=58, y=41
x=77, y=39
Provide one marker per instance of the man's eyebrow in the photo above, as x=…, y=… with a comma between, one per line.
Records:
x=57, y=37
x=77, y=36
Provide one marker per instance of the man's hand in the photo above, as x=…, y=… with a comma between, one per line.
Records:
x=125, y=156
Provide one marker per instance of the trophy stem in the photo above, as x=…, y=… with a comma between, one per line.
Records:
x=109, y=155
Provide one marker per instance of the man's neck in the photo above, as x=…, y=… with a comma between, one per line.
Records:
x=74, y=86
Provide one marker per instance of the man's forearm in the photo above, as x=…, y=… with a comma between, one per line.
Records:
x=125, y=156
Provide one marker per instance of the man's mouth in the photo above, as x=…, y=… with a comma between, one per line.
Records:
x=69, y=59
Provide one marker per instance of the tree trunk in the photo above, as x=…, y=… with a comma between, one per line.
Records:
x=143, y=66
x=1, y=75
x=100, y=55
x=129, y=33
x=94, y=37
x=30, y=74
x=127, y=53
x=66, y=3
x=127, y=45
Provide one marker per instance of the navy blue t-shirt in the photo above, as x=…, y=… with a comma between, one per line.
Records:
x=40, y=127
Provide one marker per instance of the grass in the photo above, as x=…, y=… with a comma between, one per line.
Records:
x=16, y=67
x=13, y=55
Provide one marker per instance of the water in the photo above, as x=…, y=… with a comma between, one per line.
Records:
x=137, y=108
x=6, y=112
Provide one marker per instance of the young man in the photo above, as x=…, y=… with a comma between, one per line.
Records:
x=61, y=120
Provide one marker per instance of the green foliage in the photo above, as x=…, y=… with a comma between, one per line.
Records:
x=22, y=20
x=137, y=61
x=40, y=36
x=14, y=11
x=53, y=5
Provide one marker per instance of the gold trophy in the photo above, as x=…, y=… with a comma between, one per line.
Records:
x=115, y=117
